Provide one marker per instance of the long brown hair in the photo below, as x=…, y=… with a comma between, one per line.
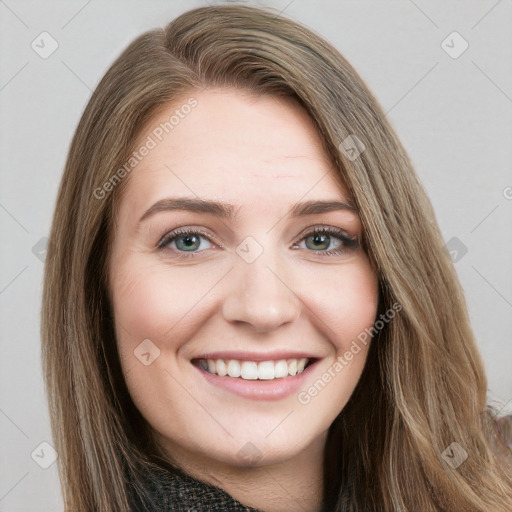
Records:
x=423, y=386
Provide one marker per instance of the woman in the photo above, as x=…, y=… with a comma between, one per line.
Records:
x=247, y=303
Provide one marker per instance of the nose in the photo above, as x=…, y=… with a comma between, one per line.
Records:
x=260, y=294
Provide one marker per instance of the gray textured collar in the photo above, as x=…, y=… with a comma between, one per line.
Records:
x=159, y=490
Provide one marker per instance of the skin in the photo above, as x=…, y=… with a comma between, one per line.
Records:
x=261, y=155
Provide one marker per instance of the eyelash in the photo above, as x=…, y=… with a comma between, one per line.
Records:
x=347, y=242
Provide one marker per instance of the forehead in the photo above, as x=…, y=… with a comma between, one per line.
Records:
x=234, y=146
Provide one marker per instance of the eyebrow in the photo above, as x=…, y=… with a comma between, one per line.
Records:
x=226, y=211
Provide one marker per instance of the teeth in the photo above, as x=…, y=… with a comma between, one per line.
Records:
x=281, y=369
x=221, y=368
x=234, y=368
x=266, y=370
x=249, y=370
x=252, y=370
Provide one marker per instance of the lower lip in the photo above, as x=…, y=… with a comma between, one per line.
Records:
x=275, y=389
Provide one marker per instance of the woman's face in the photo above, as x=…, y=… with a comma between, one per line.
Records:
x=249, y=287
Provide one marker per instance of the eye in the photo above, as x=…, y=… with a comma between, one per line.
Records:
x=321, y=238
x=185, y=240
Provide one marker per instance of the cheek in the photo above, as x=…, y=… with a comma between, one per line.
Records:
x=347, y=304
x=153, y=302
x=140, y=296
x=158, y=303
x=346, y=311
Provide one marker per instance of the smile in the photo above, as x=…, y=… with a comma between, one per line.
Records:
x=256, y=377
x=254, y=370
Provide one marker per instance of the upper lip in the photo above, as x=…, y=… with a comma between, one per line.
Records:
x=256, y=356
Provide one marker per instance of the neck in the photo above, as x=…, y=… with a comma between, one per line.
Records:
x=291, y=484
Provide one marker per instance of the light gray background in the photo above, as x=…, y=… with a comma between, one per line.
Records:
x=454, y=117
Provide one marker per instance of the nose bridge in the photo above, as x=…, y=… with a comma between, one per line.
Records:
x=259, y=293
